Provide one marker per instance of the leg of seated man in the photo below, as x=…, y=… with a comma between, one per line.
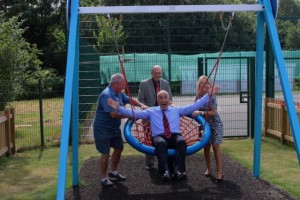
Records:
x=161, y=152
x=181, y=153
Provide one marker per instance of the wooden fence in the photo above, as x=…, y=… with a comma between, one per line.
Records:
x=277, y=121
x=7, y=133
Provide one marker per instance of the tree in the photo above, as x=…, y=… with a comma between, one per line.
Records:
x=180, y=33
x=288, y=24
x=289, y=8
x=109, y=34
x=20, y=66
x=41, y=18
x=55, y=52
x=292, y=39
x=16, y=55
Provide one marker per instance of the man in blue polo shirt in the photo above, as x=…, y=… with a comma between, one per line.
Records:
x=107, y=131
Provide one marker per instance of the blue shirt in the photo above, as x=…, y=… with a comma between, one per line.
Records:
x=173, y=114
x=102, y=118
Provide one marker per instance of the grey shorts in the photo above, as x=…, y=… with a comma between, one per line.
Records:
x=106, y=138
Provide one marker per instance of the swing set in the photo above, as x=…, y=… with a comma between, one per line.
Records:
x=266, y=13
x=196, y=132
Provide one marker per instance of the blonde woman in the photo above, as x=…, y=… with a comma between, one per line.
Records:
x=209, y=112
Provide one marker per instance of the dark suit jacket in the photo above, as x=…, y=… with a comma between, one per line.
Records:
x=147, y=93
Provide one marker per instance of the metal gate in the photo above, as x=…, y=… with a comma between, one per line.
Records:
x=235, y=75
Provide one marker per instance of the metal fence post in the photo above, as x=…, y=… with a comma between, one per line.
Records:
x=8, y=132
x=251, y=90
x=41, y=113
x=270, y=69
x=169, y=49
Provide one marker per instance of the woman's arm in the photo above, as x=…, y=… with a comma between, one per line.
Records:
x=212, y=112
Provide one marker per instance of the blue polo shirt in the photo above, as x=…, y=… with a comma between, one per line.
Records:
x=102, y=118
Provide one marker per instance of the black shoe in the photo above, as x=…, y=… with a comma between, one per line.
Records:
x=166, y=176
x=119, y=177
x=173, y=176
x=107, y=183
x=149, y=167
x=180, y=176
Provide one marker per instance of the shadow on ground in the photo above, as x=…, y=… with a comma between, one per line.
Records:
x=238, y=183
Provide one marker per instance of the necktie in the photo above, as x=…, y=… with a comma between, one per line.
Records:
x=166, y=126
x=157, y=88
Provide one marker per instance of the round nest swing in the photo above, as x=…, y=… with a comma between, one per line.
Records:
x=195, y=131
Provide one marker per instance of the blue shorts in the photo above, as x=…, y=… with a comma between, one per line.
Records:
x=106, y=138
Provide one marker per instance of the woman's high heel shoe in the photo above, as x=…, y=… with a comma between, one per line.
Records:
x=207, y=173
x=218, y=180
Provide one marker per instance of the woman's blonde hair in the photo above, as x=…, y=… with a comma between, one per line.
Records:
x=199, y=80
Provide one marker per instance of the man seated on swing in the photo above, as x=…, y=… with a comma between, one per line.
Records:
x=165, y=126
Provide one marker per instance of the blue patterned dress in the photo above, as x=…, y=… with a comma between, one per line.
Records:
x=215, y=122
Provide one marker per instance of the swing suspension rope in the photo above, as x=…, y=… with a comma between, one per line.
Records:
x=193, y=130
x=226, y=29
x=115, y=27
x=216, y=66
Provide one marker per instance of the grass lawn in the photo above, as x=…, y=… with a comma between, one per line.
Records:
x=27, y=121
x=33, y=174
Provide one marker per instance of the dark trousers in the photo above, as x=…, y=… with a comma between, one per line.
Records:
x=162, y=145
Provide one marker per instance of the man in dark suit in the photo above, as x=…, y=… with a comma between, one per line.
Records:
x=147, y=95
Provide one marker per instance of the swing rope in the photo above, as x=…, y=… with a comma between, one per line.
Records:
x=115, y=29
x=216, y=66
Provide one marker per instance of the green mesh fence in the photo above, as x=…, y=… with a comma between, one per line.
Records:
x=180, y=67
x=179, y=44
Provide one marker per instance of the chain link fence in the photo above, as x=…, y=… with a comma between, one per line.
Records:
x=38, y=118
x=178, y=45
